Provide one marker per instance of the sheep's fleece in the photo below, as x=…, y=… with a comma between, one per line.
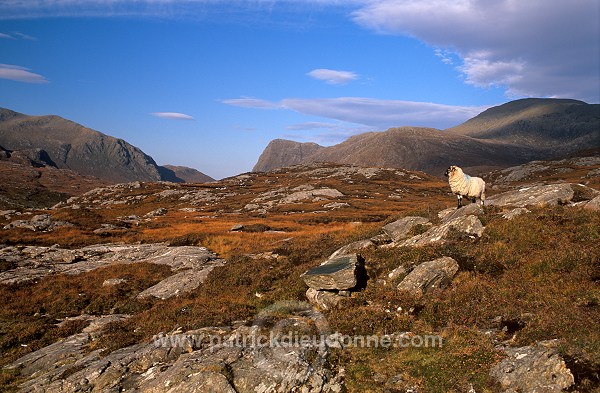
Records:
x=464, y=185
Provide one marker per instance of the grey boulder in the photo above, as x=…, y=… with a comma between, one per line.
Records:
x=537, y=368
x=339, y=273
x=429, y=276
x=400, y=229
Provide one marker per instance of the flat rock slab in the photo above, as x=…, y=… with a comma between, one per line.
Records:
x=537, y=368
x=41, y=222
x=182, y=282
x=471, y=209
x=180, y=363
x=429, y=276
x=546, y=195
x=318, y=194
x=470, y=225
x=338, y=273
x=32, y=263
x=401, y=228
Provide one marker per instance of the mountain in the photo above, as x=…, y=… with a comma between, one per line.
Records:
x=424, y=149
x=538, y=123
x=58, y=142
x=509, y=134
x=188, y=175
x=281, y=152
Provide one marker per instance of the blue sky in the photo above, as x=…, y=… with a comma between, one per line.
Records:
x=208, y=83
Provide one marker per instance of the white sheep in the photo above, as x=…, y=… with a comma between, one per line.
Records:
x=465, y=186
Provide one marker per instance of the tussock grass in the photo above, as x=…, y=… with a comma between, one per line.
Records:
x=535, y=276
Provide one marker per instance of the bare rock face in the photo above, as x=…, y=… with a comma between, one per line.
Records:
x=41, y=222
x=546, y=195
x=429, y=276
x=243, y=360
x=281, y=153
x=537, y=368
x=184, y=281
x=470, y=225
x=339, y=273
x=311, y=195
x=191, y=265
x=471, y=209
x=400, y=229
x=593, y=204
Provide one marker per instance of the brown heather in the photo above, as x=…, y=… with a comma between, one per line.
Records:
x=536, y=275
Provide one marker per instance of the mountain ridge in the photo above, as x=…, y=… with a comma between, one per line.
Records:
x=70, y=145
x=502, y=136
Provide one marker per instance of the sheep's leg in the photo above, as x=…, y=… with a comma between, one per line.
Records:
x=459, y=201
x=482, y=198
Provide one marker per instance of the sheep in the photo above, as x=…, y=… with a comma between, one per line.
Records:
x=465, y=185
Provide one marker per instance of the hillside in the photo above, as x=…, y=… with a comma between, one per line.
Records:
x=424, y=149
x=149, y=285
x=188, y=175
x=502, y=136
x=538, y=123
x=68, y=145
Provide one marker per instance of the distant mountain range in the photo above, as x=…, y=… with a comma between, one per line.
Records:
x=57, y=142
x=502, y=136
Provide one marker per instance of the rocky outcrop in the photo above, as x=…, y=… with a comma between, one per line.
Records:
x=41, y=222
x=544, y=195
x=400, y=229
x=340, y=273
x=304, y=193
x=335, y=279
x=325, y=300
x=312, y=195
x=593, y=204
x=191, y=265
x=467, y=224
x=536, y=368
x=243, y=360
x=430, y=275
x=184, y=281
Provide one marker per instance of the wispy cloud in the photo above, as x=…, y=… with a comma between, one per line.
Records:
x=6, y=36
x=325, y=133
x=369, y=112
x=249, y=102
x=532, y=48
x=172, y=115
x=314, y=125
x=24, y=36
x=20, y=74
x=189, y=9
x=333, y=77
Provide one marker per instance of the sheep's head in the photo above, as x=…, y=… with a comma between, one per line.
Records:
x=449, y=171
x=452, y=171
